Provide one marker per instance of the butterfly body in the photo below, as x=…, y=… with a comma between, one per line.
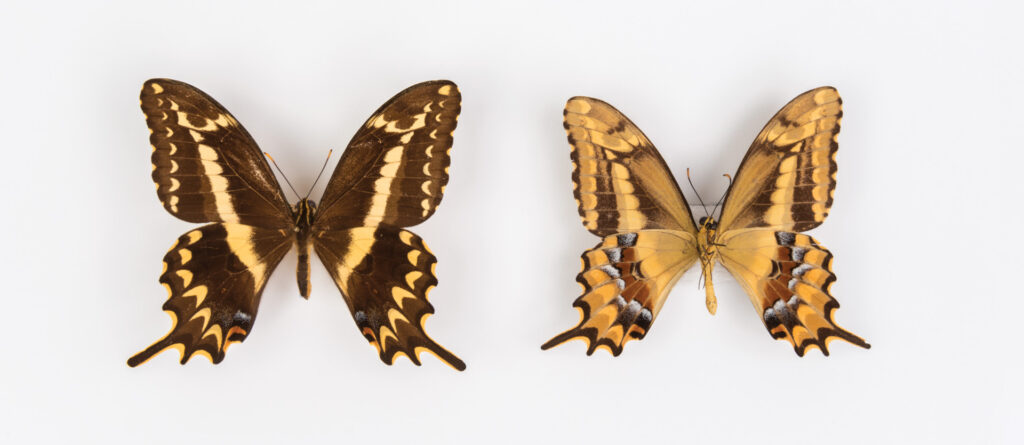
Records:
x=627, y=195
x=305, y=214
x=208, y=169
x=707, y=248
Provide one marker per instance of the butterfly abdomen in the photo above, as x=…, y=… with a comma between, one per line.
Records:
x=302, y=270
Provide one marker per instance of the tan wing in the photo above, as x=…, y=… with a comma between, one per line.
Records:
x=787, y=276
x=395, y=169
x=385, y=273
x=620, y=181
x=215, y=275
x=625, y=280
x=787, y=178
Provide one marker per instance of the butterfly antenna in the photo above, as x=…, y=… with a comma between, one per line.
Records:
x=695, y=192
x=321, y=172
x=723, y=194
x=282, y=173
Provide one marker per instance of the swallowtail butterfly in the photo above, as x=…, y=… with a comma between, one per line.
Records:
x=627, y=196
x=208, y=169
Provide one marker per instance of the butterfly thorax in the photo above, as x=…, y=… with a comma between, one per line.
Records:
x=707, y=248
x=707, y=237
x=303, y=215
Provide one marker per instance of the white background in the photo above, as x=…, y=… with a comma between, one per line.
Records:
x=925, y=226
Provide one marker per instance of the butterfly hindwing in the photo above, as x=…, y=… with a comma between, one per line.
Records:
x=395, y=169
x=215, y=275
x=788, y=176
x=205, y=165
x=787, y=277
x=384, y=273
x=620, y=181
x=625, y=280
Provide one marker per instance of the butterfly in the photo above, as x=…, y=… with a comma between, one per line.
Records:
x=208, y=169
x=627, y=195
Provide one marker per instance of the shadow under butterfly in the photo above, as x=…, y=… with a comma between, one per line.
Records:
x=208, y=169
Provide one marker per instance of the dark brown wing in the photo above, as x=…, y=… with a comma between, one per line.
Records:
x=787, y=178
x=206, y=166
x=384, y=273
x=620, y=181
x=392, y=175
x=215, y=276
x=396, y=167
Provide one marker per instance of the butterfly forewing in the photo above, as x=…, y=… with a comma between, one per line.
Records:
x=620, y=181
x=787, y=178
x=206, y=166
x=395, y=169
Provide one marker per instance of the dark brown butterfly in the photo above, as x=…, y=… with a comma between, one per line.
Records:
x=208, y=169
x=627, y=195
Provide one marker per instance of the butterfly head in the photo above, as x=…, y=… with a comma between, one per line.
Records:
x=708, y=223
